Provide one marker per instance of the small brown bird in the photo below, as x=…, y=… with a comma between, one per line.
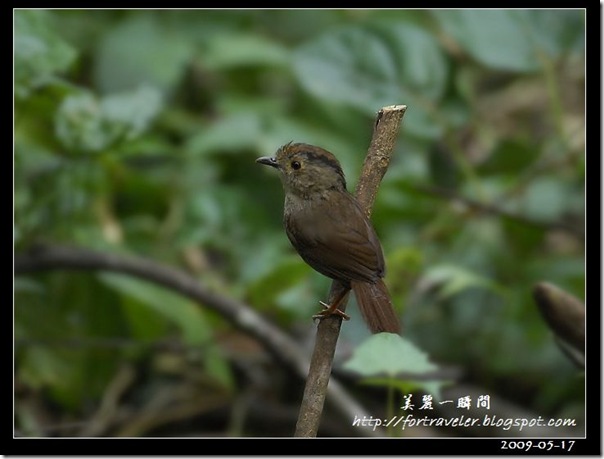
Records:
x=330, y=231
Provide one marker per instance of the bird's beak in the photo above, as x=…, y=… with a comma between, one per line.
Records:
x=268, y=161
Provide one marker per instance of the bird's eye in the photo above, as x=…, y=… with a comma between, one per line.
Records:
x=296, y=165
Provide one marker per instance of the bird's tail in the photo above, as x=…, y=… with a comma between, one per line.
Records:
x=376, y=306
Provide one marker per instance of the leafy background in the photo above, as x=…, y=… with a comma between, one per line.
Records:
x=136, y=132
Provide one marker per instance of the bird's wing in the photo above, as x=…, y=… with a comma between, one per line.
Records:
x=337, y=241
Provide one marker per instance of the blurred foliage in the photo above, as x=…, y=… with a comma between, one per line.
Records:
x=136, y=131
x=381, y=360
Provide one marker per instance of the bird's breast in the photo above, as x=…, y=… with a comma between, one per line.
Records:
x=334, y=237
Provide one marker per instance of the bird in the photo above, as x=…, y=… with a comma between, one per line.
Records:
x=330, y=231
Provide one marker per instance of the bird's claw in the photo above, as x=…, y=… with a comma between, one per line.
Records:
x=329, y=311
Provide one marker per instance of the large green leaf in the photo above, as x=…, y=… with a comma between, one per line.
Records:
x=226, y=51
x=39, y=53
x=86, y=123
x=495, y=38
x=284, y=284
x=510, y=157
x=557, y=31
x=511, y=39
x=187, y=316
x=388, y=354
x=547, y=199
x=68, y=361
x=453, y=279
x=219, y=136
x=370, y=67
x=140, y=51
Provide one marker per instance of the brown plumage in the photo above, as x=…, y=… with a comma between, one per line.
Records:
x=329, y=230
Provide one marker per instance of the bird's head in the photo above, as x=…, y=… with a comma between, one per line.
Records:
x=306, y=170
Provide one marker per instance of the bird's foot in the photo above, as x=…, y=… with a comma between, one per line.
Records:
x=330, y=310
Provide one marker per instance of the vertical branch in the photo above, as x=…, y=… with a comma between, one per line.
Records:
x=376, y=163
x=381, y=148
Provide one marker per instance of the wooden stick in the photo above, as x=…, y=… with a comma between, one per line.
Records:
x=381, y=148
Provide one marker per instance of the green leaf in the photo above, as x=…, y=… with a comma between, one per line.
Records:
x=219, y=136
x=71, y=375
x=389, y=354
x=25, y=285
x=510, y=157
x=404, y=264
x=373, y=66
x=546, y=198
x=139, y=51
x=495, y=38
x=70, y=305
x=557, y=31
x=39, y=53
x=41, y=366
x=85, y=123
x=218, y=367
x=233, y=50
x=144, y=323
x=512, y=39
x=186, y=315
x=284, y=279
x=453, y=280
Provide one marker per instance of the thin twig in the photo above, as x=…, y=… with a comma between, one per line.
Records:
x=376, y=163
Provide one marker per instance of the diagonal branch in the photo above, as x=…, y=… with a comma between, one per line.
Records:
x=240, y=314
x=376, y=163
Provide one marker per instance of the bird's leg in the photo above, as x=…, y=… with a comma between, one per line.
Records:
x=332, y=309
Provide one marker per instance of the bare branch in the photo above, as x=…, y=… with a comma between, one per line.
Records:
x=381, y=148
x=240, y=314
x=376, y=163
